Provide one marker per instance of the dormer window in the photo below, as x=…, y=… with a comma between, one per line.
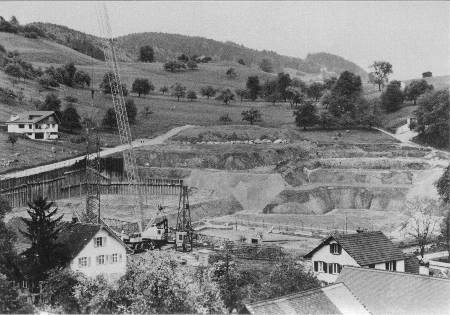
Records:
x=335, y=249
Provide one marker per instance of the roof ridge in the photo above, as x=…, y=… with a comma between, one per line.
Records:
x=291, y=295
x=351, y=292
x=394, y=272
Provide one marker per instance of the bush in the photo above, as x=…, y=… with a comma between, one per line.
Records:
x=174, y=66
x=225, y=118
x=32, y=35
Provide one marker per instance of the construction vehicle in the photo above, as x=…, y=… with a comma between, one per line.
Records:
x=156, y=232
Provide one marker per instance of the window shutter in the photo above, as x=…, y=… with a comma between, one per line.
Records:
x=325, y=267
x=331, y=248
x=89, y=261
x=316, y=266
x=386, y=266
x=339, y=249
x=104, y=241
x=95, y=242
x=106, y=259
x=330, y=268
x=339, y=268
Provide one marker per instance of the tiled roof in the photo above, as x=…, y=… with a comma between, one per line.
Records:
x=387, y=292
x=75, y=236
x=365, y=247
x=333, y=299
x=30, y=116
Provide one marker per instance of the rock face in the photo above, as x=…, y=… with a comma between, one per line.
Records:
x=324, y=199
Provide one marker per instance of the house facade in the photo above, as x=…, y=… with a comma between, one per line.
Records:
x=94, y=250
x=364, y=249
x=37, y=125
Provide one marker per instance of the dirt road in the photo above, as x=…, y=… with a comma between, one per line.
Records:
x=136, y=143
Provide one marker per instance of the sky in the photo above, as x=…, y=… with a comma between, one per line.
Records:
x=413, y=35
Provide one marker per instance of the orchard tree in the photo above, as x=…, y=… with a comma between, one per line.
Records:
x=192, y=65
x=231, y=73
x=252, y=115
x=242, y=93
x=81, y=78
x=416, y=88
x=146, y=54
x=433, y=117
x=253, y=87
x=421, y=221
x=110, y=79
x=294, y=95
x=178, y=91
x=142, y=86
x=164, y=89
x=208, y=91
x=70, y=119
x=266, y=65
x=270, y=91
x=392, y=97
x=131, y=110
x=226, y=96
x=306, y=115
x=12, y=139
x=283, y=82
x=315, y=90
x=191, y=95
x=381, y=72
x=109, y=120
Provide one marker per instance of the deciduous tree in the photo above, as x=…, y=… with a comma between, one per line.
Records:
x=253, y=87
x=70, y=119
x=381, y=72
x=416, y=88
x=142, y=86
x=315, y=90
x=392, y=98
x=225, y=96
x=146, y=54
x=252, y=115
x=178, y=91
x=208, y=91
x=191, y=95
x=306, y=115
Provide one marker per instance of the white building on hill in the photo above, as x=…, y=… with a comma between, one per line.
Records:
x=38, y=125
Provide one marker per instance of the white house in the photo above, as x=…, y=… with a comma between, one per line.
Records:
x=94, y=250
x=39, y=125
x=363, y=249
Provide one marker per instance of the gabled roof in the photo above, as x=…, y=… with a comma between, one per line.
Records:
x=365, y=247
x=75, y=236
x=30, y=117
x=387, y=292
x=332, y=299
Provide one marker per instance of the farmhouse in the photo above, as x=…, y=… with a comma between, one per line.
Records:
x=94, y=250
x=363, y=249
x=38, y=125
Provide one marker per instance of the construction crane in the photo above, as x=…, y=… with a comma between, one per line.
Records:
x=120, y=110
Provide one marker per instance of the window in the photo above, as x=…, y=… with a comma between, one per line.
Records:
x=114, y=258
x=180, y=237
x=334, y=268
x=101, y=260
x=335, y=249
x=21, y=126
x=25, y=284
x=372, y=266
x=38, y=127
x=391, y=265
x=320, y=266
x=82, y=262
x=99, y=241
x=159, y=232
x=30, y=126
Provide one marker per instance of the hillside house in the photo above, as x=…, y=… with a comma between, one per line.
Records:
x=37, y=125
x=94, y=250
x=363, y=249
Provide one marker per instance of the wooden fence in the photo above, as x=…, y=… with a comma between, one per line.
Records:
x=73, y=184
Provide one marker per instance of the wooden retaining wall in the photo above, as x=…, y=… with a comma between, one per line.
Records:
x=69, y=184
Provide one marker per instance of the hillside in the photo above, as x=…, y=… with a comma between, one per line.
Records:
x=169, y=46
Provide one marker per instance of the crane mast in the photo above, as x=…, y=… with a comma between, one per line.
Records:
x=120, y=110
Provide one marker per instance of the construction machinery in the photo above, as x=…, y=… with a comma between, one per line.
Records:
x=156, y=232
